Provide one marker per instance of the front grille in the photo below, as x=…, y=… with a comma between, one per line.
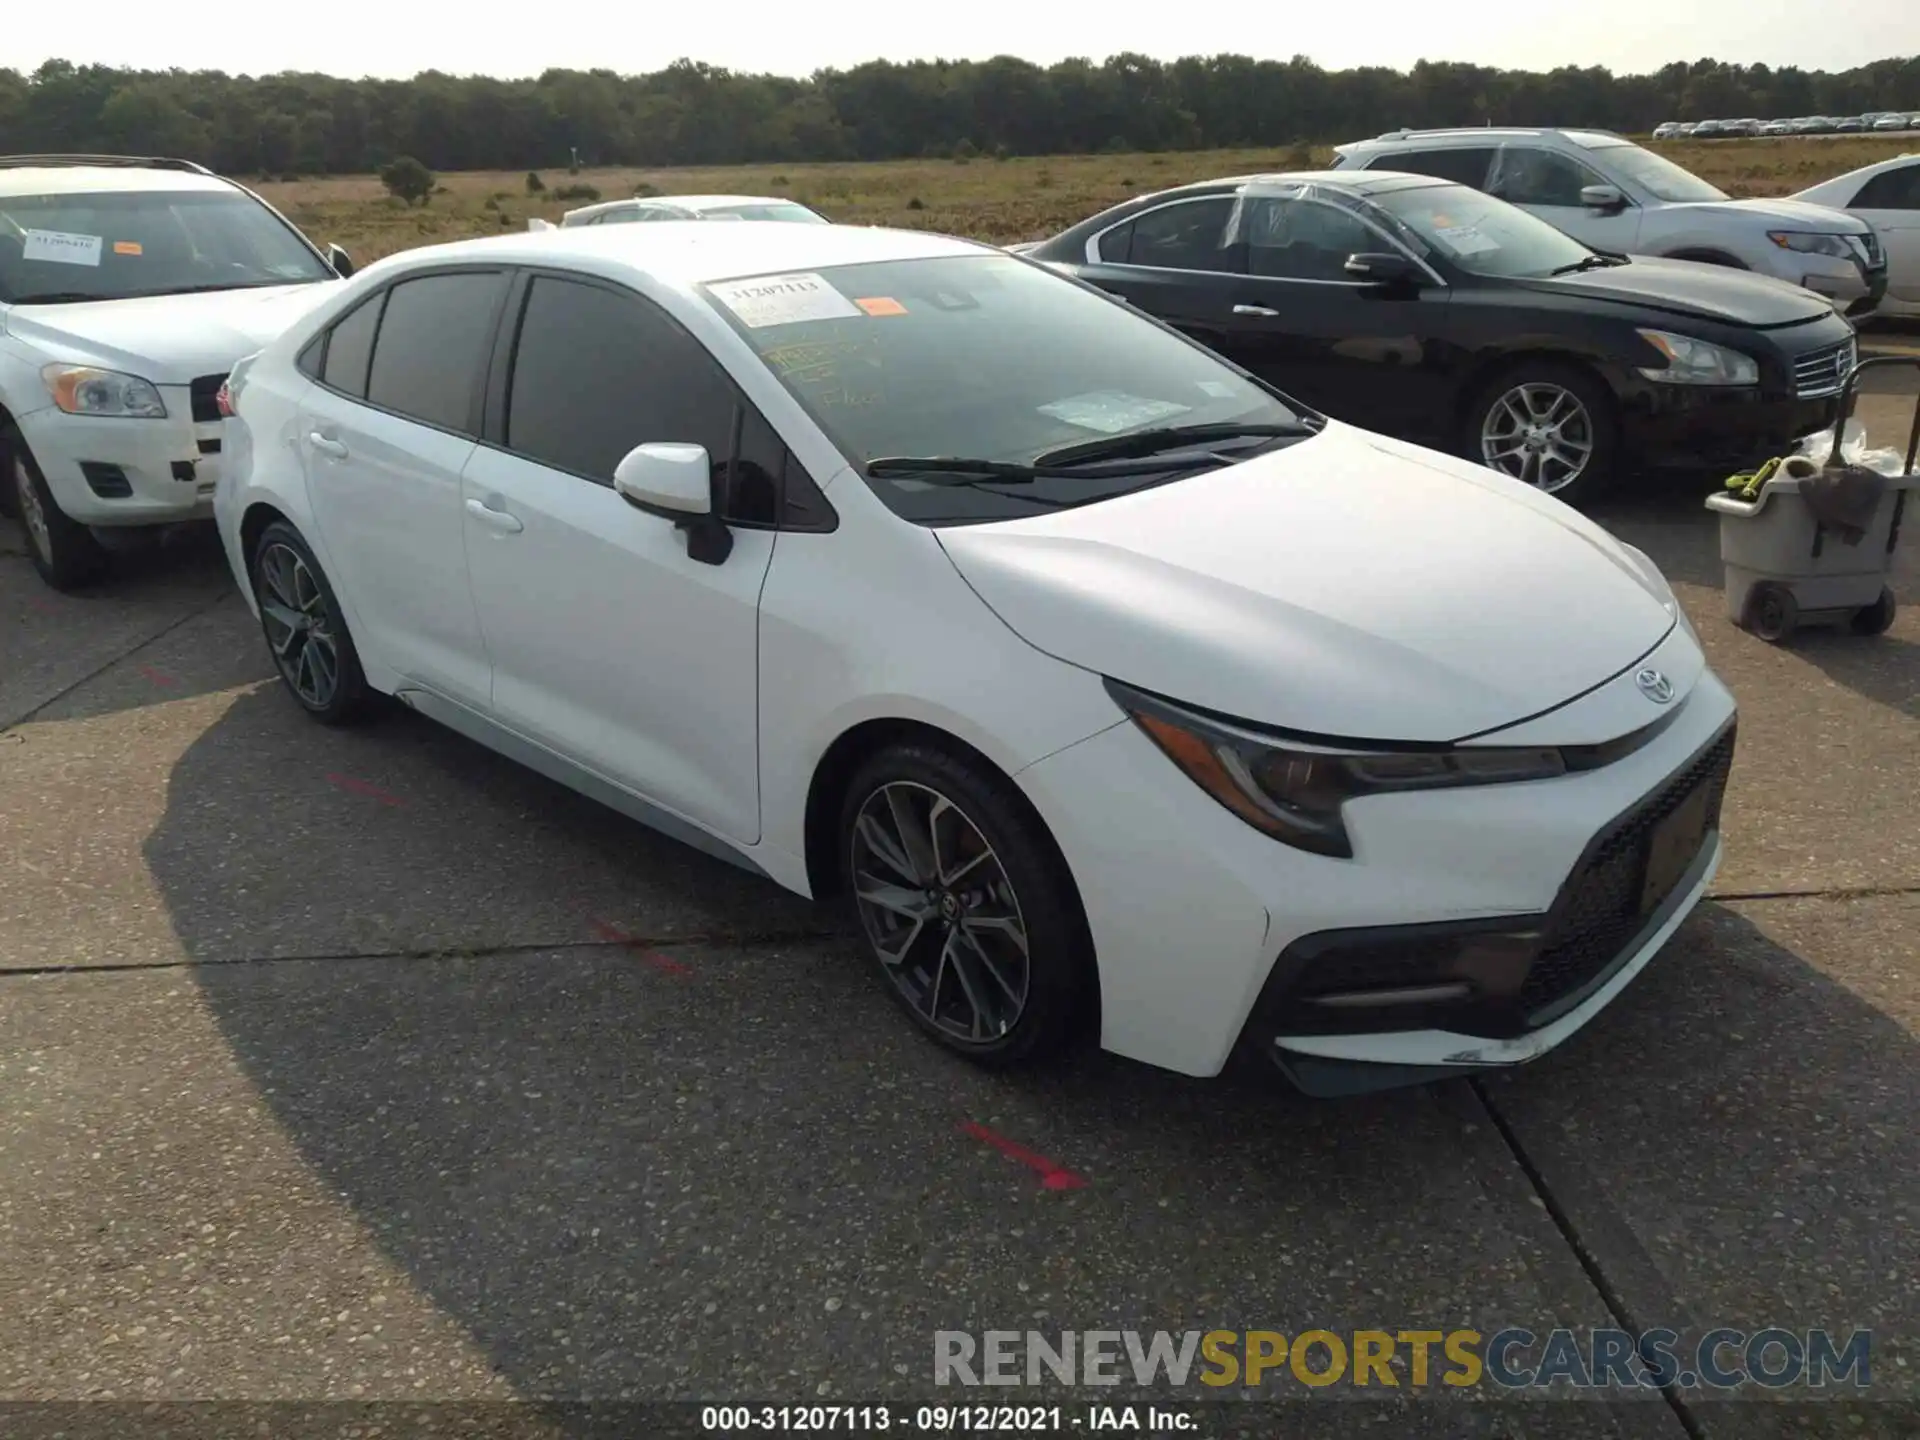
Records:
x=204, y=390
x=1599, y=911
x=1821, y=372
x=1870, y=242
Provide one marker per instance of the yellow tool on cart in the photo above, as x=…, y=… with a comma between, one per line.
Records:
x=1810, y=543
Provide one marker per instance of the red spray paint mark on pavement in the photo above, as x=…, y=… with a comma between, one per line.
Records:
x=616, y=936
x=364, y=788
x=159, y=677
x=1052, y=1176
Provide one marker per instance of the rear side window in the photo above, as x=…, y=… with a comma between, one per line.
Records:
x=1188, y=235
x=432, y=347
x=1115, y=244
x=596, y=373
x=350, y=348
x=1464, y=165
x=1891, y=190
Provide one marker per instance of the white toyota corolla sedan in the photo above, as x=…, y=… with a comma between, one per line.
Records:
x=1115, y=691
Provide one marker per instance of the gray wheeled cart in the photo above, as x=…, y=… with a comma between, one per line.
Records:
x=1786, y=566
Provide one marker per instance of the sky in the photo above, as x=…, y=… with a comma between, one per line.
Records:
x=401, y=37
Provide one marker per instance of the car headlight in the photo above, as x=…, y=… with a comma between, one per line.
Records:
x=1809, y=244
x=1695, y=362
x=83, y=390
x=1295, y=791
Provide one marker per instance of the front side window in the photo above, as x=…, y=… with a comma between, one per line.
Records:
x=432, y=347
x=1479, y=233
x=1655, y=174
x=1462, y=164
x=1891, y=190
x=1524, y=175
x=983, y=356
x=126, y=244
x=596, y=373
x=1187, y=235
x=1290, y=239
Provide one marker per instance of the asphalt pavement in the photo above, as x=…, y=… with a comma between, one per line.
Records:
x=366, y=1066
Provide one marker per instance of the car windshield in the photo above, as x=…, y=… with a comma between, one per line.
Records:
x=779, y=210
x=1480, y=234
x=1656, y=174
x=986, y=357
x=118, y=245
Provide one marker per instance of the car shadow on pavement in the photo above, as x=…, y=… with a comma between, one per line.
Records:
x=712, y=1168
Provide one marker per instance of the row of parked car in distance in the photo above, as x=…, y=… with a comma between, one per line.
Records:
x=1886, y=121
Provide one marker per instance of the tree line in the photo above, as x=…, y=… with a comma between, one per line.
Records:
x=695, y=114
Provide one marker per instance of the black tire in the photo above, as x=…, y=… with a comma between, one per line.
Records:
x=1059, y=996
x=1877, y=618
x=61, y=549
x=305, y=632
x=1772, y=612
x=1495, y=408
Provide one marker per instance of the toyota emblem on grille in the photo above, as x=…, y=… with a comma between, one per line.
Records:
x=1655, y=686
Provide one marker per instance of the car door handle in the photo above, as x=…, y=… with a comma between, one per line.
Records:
x=326, y=445
x=494, y=519
x=1259, y=310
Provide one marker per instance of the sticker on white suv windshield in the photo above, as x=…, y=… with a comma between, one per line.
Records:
x=57, y=247
x=1111, y=411
x=784, y=300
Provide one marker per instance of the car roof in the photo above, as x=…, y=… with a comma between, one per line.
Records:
x=695, y=203
x=690, y=252
x=103, y=179
x=1468, y=134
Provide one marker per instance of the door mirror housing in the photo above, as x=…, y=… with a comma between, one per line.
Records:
x=1383, y=268
x=340, y=261
x=1602, y=197
x=675, y=482
x=536, y=225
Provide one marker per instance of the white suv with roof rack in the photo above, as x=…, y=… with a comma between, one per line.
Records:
x=1611, y=194
x=129, y=287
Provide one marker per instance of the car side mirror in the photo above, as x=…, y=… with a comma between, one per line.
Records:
x=340, y=260
x=1602, y=197
x=1384, y=268
x=675, y=482
x=536, y=225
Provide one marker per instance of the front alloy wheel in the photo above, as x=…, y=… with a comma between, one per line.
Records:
x=1540, y=433
x=940, y=912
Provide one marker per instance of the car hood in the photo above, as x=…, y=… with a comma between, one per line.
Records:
x=1687, y=287
x=1348, y=586
x=168, y=339
x=1775, y=214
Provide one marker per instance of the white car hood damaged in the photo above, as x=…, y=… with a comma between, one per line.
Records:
x=1348, y=586
x=168, y=339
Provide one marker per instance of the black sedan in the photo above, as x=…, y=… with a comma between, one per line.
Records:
x=1427, y=310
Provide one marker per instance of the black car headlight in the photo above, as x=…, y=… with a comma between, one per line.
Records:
x=1294, y=790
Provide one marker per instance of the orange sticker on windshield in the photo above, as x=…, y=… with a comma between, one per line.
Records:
x=881, y=305
x=127, y=247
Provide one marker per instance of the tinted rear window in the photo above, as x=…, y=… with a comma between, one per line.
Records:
x=433, y=345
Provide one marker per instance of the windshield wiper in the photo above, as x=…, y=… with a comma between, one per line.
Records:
x=56, y=297
x=964, y=470
x=1165, y=437
x=1599, y=260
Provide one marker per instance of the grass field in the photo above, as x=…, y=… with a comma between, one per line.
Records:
x=996, y=200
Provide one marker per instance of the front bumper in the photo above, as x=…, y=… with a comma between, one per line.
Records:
x=1192, y=910
x=1854, y=288
x=112, y=472
x=1697, y=426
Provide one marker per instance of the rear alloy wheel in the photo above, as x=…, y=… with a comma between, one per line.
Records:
x=305, y=632
x=1548, y=426
x=62, y=550
x=964, y=907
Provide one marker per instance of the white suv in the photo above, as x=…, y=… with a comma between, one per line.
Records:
x=1611, y=194
x=128, y=289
